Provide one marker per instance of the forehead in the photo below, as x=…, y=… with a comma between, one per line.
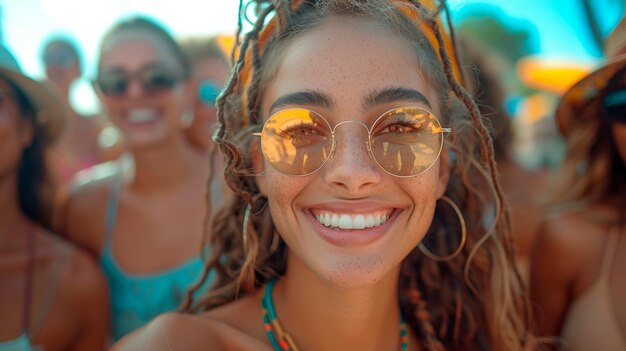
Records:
x=133, y=49
x=347, y=59
x=211, y=68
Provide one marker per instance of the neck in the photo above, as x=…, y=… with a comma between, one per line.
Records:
x=320, y=316
x=12, y=220
x=167, y=165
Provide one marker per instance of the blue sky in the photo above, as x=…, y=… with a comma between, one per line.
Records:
x=27, y=23
x=560, y=24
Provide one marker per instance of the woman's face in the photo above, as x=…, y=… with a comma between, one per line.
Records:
x=347, y=63
x=147, y=92
x=209, y=74
x=15, y=133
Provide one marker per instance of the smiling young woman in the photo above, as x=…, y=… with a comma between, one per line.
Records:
x=363, y=186
x=144, y=226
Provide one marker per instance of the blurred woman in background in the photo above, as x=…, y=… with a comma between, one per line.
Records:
x=52, y=296
x=86, y=140
x=145, y=226
x=577, y=280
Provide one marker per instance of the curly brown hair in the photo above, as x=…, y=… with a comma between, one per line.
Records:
x=475, y=301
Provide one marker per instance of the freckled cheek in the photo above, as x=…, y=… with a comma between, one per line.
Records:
x=423, y=189
x=282, y=191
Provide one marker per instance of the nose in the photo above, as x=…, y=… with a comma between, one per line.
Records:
x=134, y=88
x=351, y=168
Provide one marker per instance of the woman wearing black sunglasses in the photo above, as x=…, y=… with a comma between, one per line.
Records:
x=146, y=225
x=577, y=277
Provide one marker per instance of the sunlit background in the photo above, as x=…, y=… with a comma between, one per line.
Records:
x=560, y=32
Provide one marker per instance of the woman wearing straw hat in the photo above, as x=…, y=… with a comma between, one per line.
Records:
x=52, y=296
x=580, y=294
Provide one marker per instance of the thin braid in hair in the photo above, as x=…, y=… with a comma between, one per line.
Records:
x=487, y=153
x=228, y=149
x=486, y=145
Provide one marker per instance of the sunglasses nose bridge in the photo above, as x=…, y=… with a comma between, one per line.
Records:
x=334, y=138
x=134, y=87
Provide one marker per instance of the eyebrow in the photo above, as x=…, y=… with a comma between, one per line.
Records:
x=393, y=94
x=377, y=97
x=308, y=97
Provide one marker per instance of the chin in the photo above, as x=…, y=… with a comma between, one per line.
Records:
x=142, y=140
x=356, y=272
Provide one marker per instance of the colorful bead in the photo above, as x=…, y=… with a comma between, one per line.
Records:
x=282, y=341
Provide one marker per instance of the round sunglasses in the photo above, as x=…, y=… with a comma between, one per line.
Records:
x=404, y=142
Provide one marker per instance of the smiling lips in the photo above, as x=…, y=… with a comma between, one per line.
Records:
x=141, y=116
x=351, y=221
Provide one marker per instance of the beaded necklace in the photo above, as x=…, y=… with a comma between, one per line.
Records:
x=281, y=341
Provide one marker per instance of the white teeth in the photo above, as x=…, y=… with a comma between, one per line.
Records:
x=346, y=221
x=369, y=221
x=359, y=222
x=141, y=115
x=334, y=221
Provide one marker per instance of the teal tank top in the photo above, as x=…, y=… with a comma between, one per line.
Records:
x=21, y=343
x=138, y=298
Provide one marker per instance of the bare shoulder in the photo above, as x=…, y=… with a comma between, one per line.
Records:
x=572, y=235
x=84, y=276
x=173, y=331
x=79, y=309
x=82, y=211
x=244, y=315
x=569, y=247
x=227, y=328
x=81, y=282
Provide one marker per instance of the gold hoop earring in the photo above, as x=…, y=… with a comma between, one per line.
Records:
x=458, y=250
x=246, y=220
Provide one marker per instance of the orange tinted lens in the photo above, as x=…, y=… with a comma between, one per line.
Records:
x=296, y=141
x=406, y=141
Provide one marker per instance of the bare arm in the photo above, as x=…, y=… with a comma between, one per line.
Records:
x=80, y=214
x=554, y=268
x=90, y=302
